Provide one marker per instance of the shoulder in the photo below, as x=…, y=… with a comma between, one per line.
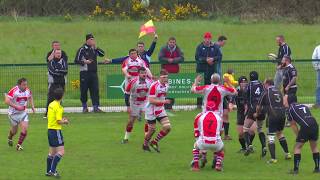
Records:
x=12, y=91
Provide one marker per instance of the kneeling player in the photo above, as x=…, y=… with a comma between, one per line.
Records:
x=207, y=127
x=155, y=111
x=271, y=100
x=55, y=138
x=136, y=91
x=17, y=99
x=309, y=131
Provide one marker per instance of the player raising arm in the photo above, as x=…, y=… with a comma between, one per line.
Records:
x=17, y=99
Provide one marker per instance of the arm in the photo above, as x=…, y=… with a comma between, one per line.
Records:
x=50, y=56
x=119, y=60
x=99, y=52
x=196, y=127
x=180, y=58
x=195, y=88
x=155, y=101
x=293, y=81
x=198, y=56
x=61, y=120
x=79, y=59
x=162, y=58
x=151, y=48
x=31, y=103
x=10, y=103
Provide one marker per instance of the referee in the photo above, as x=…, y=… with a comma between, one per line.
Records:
x=284, y=50
x=87, y=58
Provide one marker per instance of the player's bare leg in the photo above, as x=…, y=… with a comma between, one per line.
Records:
x=12, y=132
x=166, y=127
x=315, y=155
x=284, y=144
x=23, y=134
x=148, y=136
x=129, y=128
x=297, y=157
x=246, y=127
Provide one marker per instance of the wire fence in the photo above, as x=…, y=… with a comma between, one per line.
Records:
x=111, y=80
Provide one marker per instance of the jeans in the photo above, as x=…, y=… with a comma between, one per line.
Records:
x=318, y=88
x=278, y=78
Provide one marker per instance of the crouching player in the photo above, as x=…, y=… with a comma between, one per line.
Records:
x=155, y=112
x=55, y=138
x=207, y=127
x=135, y=99
x=309, y=131
x=17, y=99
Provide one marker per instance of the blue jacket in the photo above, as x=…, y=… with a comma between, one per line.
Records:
x=146, y=56
x=202, y=52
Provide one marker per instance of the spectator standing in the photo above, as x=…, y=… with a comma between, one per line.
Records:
x=284, y=50
x=170, y=56
x=222, y=40
x=86, y=57
x=58, y=69
x=316, y=66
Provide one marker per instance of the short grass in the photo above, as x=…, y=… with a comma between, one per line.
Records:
x=93, y=151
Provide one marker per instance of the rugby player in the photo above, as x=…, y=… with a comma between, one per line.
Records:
x=300, y=115
x=272, y=101
x=155, y=111
x=135, y=99
x=17, y=99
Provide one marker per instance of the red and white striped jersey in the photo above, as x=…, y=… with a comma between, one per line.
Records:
x=207, y=127
x=132, y=66
x=158, y=91
x=18, y=97
x=214, y=93
x=138, y=90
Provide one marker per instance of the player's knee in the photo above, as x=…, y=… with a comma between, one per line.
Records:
x=271, y=138
x=167, y=127
x=61, y=152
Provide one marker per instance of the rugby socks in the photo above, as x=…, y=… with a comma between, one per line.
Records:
x=204, y=155
x=22, y=137
x=272, y=149
x=195, y=153
x=226, y=128
x=160, y=135
x=49, y=162
x=242, y=143
x=10, y=136
x=296, y=160
x=146, y=141
x=146, y=127
x=262, y=138
x=219, y=157
x=55, y=162
x=128, y=132
x=252, y=137
x=247, y=138
x=284, y=145
x=316, y=160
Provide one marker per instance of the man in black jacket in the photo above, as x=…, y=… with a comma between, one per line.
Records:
x=87, y=58
x=57, y=69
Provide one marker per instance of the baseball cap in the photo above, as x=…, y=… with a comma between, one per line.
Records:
x=207, y=35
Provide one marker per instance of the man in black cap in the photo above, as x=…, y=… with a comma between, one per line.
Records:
x=87, y=58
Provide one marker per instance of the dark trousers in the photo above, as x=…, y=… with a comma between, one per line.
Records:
x=52, y=87
x=89, y=81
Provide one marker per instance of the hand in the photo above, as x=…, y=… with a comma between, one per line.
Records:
x=128, y=76
x=20, y=108
x=65, y=120
x=287, y=89
x=198, y=78
x=167, y=101
x=107, y=61
x=210, y=61
x=170, y=60
x=255, y=115
x=129, y=110
x=155, y=37
x=87, y=61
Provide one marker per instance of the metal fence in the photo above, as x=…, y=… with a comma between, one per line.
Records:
x=110, y=79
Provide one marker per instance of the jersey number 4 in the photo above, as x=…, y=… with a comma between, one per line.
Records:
x=257, y=92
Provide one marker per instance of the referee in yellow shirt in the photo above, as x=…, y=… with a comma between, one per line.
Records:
x=55, y=138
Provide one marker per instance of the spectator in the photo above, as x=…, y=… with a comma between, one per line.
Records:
x=58, y=69
x=170, y=56
x=222, y=40
x=87, y=58
x=205, y=58
x=142, y=53
x=50, y=55
x=284, y=50
x=316, y=65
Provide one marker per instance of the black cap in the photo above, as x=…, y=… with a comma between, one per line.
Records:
x=242, y=79
x=89, y=36
x=254, y=76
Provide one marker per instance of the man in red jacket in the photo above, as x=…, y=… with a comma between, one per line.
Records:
x=170, y=56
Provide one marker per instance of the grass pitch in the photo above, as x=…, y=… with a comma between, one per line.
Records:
x=93, y=151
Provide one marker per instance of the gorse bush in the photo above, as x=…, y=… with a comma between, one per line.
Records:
x=305, y=11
